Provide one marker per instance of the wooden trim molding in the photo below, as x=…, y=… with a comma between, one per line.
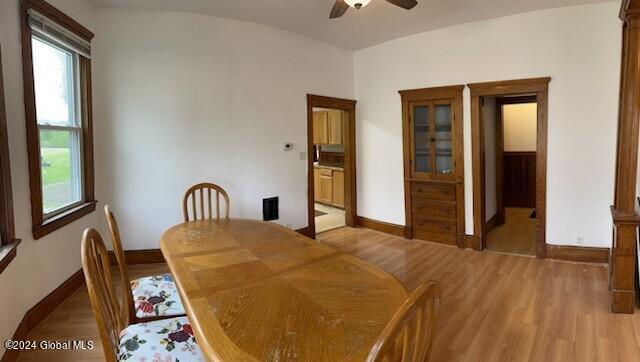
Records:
x=510, y=87
x=306, y=231
x=523, y=87
x=578, y=253
x=62, y=219
x=42, y=309
x=385, y=227
x=8, y=241
x=134, y=257
x=624, y=212
x=411, y=95
x=42, y=226
x=7, y=229
x=350, y=194
x=59, y=17
x=491, y=223
x=7, y=253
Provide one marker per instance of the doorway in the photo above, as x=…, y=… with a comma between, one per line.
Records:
x=518, y=209
x=331, y=164
x=509, y=125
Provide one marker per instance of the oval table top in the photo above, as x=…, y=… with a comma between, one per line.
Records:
x=259, y=291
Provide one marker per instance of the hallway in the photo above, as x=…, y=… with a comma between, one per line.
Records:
x=517, y=235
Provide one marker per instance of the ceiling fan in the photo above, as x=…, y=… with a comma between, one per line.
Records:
x=341, y=6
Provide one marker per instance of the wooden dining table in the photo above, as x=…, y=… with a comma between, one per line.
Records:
x=257, y=291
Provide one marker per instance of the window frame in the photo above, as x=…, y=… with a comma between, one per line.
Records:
x=44, y=224
x=8, y=241
x=75, y=109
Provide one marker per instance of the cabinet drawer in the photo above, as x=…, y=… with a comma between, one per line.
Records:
x=442, y=226
x=326, y=172
x=426, y=207
x=436, y=237
x=434, y=191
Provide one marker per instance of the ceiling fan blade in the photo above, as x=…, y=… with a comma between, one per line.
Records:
x=405, y=4
x=339, y=8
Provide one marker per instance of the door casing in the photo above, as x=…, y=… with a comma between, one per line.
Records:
x=349, y=136
x=538, y=87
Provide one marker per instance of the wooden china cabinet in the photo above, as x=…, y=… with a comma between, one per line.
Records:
x=433, y=164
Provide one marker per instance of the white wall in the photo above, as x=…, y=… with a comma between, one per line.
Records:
x=488, y=110
x=188, y=98
x=40, y=265
x=579, y=47
x=520, y=127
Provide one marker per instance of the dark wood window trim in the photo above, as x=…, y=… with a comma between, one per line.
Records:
x=8, y=242
x=41, y=225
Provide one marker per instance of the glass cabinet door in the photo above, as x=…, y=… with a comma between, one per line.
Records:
x=443, y=139
x=422, y=139
x=432, y=139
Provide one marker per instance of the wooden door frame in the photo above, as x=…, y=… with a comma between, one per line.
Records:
x=349, y=136
x=534, y=86
x=501, y=101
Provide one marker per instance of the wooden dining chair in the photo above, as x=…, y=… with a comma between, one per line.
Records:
x=166, y=339
x=196, y=194
x=409, y=335
x=146, y=298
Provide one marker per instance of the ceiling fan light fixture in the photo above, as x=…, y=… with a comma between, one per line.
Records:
x=357, y=3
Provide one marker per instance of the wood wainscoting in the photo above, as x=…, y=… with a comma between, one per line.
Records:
x=519, y=180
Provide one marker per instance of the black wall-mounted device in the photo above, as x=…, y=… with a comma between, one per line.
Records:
x=270, y=209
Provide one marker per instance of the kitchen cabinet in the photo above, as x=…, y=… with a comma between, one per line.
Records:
x=320, y=128
x=328, y=127
x=316, y=182
x=335, y=130
x=329, y=186
x=326, y=186
x=338, y=188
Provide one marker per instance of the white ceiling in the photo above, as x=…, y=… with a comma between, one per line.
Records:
x=376, y=23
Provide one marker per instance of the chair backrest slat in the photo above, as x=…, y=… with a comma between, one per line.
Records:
x=196, y=194
x=97, y=274
x=218, y=204
x=409, y=335
x=209, y=202
x=128, y=311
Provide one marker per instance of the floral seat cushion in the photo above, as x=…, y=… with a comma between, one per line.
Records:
x=166, y=340
x=156, y=296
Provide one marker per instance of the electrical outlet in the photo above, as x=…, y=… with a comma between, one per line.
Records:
x=580, y=240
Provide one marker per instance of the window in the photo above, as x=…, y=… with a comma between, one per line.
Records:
x=57, y=77
x=8, y=243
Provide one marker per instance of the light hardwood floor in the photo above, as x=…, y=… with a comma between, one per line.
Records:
x=517, y=235
x=495, y=307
